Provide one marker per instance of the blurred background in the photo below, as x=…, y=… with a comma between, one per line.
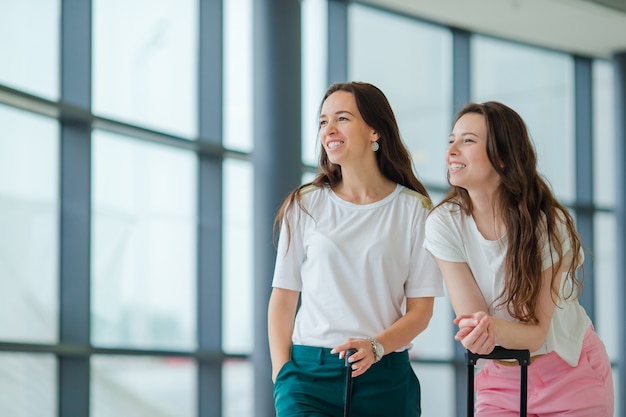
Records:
x=145, y=146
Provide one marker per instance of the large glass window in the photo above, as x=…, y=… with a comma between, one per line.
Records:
x=238, y=257
x=28, y=385
x=538, y=84
x=436, y=385
x=605, y=282
x=135, y=386
x=412, y=66
x=29, y=227
x=29, y=46
x=238, y=74
x=604, y=134
x=145, y=63
x=238, y=391
x=143, y=244
x=314, y=74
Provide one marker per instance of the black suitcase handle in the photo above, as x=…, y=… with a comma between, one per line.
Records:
x=522, y=356
x=348, y=365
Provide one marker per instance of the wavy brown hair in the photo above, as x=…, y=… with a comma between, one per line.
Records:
x=530, y=210
x=392, y=157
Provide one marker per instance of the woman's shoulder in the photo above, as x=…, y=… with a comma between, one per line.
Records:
x=308, y=189
x=421, y=198
x=447, y=209
x=447, y=214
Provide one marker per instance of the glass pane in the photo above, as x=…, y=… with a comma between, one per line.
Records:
x=238, y=282
x=28, y=385
x=437, y=388
x=419, y=90
x=606, y=287
x=238, y=74
x=237, y=384
x=437, y=341
x=31, y=63
x=604, y=135
x=29, y=221
x=143, y=387
x=143, y=244
x=538, y=84
x=314, y=70
x=145, y=63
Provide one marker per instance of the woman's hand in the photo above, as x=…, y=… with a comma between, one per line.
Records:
x=362, y=359
x=476, y=332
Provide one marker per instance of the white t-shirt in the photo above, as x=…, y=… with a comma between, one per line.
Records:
x=354, y=264
x=453, y=236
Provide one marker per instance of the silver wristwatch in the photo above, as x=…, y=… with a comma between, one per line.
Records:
x=377, y=348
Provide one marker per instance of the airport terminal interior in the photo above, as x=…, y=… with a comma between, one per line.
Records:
x=146, y=146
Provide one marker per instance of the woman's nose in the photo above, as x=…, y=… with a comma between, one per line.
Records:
x=329, y=129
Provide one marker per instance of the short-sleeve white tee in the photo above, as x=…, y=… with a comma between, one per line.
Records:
x=453, y=236
x=354, y=265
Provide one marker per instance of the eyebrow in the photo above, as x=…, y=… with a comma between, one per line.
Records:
x=338, y=113
x=465, y=133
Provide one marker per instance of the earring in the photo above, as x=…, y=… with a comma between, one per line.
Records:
x=375, y=146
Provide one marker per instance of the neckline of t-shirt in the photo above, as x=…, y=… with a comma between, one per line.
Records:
x=482, y=238
x=334, y=197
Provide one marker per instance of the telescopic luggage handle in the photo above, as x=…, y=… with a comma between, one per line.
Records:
x=346, y=410
x=522, y=356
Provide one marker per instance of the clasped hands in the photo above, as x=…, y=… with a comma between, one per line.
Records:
x=476, y=332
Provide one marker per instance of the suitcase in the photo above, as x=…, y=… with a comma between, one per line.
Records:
x=523, y=359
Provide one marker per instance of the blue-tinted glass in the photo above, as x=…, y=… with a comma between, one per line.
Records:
x=604, y=135
x=314, y=70
x=605, y=282
x=28, y=385
x=436, y=385
x=29, y=46
x=136, y=386
x=238, y=257
x=29, y=227
x=238, y=390
x=143, y=261
x=238, y=74
x=145, y=57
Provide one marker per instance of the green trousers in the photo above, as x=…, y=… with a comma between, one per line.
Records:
x=313, y=383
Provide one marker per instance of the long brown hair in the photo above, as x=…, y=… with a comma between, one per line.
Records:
x=530, y=210
x=393, y=158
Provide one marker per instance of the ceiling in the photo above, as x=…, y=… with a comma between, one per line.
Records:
x=593, y=28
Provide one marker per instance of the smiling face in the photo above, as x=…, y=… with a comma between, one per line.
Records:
x=469, y=166
x=344, y=134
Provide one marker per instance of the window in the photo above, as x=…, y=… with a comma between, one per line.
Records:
x=143, y=244
x=29, y=225
x=144, y=63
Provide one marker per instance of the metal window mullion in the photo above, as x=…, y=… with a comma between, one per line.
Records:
x=583, y=114
x=277, y=92
x=210, y=174
x=75, y=207
x=337, y=41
